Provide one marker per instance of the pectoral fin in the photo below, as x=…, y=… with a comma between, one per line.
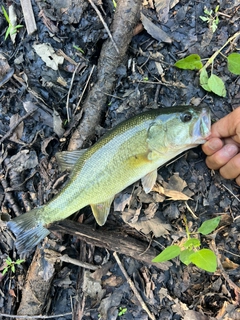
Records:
x=149, y=180
x=101, y=211
x=68, y=159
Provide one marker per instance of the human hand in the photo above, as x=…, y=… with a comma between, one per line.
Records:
x=223, y=146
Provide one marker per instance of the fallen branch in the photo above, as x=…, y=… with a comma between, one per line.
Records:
x=125, y=19
x=110, y=240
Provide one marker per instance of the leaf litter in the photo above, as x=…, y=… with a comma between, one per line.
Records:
x=176, y=293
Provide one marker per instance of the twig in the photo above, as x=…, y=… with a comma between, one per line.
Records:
x=69, y=91
x=28, y=16
x=85, y=87
x=130, y=282
x=211, y=59
x=230, y=192
x=10, y=132
x=35, y=317
x=79, y=263
x=104, y=24
x=222, y=271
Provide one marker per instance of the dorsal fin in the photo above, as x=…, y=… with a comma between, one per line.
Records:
x=67, y=159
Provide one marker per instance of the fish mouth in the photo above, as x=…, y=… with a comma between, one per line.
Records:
x=202, y=128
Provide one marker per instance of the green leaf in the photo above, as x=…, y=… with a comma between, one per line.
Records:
x=214, y=25
x=209, y=225
x=234, y=63
x=204, y=259
x=168, y=254
x=13, y=268
x=184, y=256
x=5, y=270
x=8, y=261
x=203, y=18
x=191, y=62
x=217, y=85
x=192, y=243
x=19, y=261
x=204, y=80
x=206, y=11
x=5, y=14
x=7, y=33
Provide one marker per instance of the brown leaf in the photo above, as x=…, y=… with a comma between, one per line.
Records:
x=229, y=264
x=172, y=194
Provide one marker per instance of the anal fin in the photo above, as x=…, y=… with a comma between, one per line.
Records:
x=101, y=210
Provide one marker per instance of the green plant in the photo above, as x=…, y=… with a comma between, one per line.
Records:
x=213, y=83
x=189, y=252
x=11, y=28
x=10, y=265
x=211, y=18
x=122, y=311
x=78, y=48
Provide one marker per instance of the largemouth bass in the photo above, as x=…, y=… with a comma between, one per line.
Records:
x=132, y=150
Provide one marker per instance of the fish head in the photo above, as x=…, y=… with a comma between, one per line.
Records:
x=179, y=129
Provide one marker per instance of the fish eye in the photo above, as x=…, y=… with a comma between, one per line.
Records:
x=186, y=117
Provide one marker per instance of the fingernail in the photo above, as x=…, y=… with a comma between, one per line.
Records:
x=214, y=144
x=230, y=150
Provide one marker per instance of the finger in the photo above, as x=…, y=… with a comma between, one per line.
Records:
x=222, y=156
x=229, y=126
x=212, y=145
x=231, y=169
x=238, y=180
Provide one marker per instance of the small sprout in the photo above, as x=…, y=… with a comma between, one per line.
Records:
x=189, y=251
x=12, y=29
x=212, y=83
x=114, y=4
x=145, y=79
x=122, y=311
x=10, y=265
x=79, y=49
x=210, y=18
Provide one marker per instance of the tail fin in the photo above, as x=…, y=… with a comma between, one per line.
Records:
x=29, y=231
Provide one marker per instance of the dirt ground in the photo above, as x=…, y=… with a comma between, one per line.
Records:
x=84, y=68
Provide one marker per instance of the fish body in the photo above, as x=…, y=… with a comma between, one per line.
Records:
x=132, y=150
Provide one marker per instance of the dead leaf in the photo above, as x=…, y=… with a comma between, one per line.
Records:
x=45, y=143
x=162, y=8
x=113, y=281
x=57, y=124
x=13, y=21
x=17, y=134
x=121, y=201
x=229, y=264
x=175, y=183
x=6, y=71
x=151, y=210
x=48, y=55
x=92, y=287
x=194, y=315
x=172, y=194
x=39, y=114
x=154, y=30
x=24, y=160
x=154, y=225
